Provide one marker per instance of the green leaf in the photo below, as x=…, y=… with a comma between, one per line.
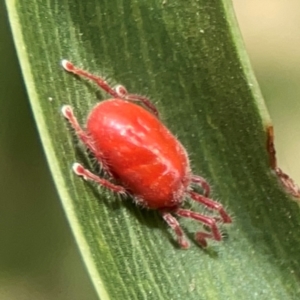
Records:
x=188, y=57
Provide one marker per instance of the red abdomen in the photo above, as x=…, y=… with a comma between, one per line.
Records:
x=140, y=152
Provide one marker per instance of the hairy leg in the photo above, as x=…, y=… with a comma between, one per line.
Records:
x=203, y=183
x=118, y=92
x=67, y=112
x=174, y=224
x=88, y=175
x=213, y=205
x=201, y=237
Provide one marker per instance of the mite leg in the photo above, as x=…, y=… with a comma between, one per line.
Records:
x=69, y=115
x=87, y=175
x=67, y=112
x=173, y=223
x=118, y=92
x=271, y=148
x=201, y=237
x=288, y=183
x=122, y=92
x=203, y=183
x=213, y=205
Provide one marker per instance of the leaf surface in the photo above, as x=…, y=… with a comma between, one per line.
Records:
x=188, y=57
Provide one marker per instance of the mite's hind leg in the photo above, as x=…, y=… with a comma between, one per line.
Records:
x=210, y=222
x=203, y=183
x=213, y=205
x=174, y=224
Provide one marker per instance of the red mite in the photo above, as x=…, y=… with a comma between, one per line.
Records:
x=143, y=158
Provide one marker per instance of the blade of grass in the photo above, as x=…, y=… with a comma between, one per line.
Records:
x=189, y=58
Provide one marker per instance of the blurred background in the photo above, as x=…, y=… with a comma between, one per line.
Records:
x=38, y=256
x=270, y=29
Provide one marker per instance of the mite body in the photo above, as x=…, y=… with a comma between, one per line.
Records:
x=140, y=153
x=143, y=159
